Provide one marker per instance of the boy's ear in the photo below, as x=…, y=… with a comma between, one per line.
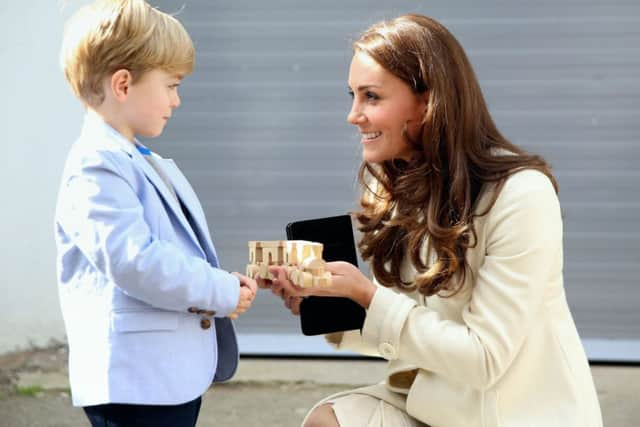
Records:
x=120, y=84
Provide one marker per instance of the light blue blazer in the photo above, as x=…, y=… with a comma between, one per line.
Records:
x=129, y=267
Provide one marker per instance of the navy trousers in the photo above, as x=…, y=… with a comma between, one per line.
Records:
x=121, y=415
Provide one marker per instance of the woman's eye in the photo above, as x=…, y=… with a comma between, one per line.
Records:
x=174, y=86
x=369, y=96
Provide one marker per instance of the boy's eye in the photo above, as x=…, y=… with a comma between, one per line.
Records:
x=350, y=93
x=173, y=86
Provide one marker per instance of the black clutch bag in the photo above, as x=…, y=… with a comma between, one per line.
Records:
x=322, y=315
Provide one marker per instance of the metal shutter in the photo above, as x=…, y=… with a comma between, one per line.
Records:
x=262, y=135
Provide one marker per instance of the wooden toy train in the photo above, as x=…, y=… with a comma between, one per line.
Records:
x=303, y=260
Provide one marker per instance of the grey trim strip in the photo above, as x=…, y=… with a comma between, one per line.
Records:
x=603, y=350
x=286, y=344
x=598, y=350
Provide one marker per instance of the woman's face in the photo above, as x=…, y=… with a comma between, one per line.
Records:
x=382, y=106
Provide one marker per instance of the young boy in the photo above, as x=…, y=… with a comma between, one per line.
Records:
x=146, y=307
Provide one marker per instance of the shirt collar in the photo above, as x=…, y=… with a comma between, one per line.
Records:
x=93, y=121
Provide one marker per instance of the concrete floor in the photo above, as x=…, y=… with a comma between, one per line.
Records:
x=278, y=392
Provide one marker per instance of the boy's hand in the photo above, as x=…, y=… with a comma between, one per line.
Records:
x=248, y=289
x=247, y=282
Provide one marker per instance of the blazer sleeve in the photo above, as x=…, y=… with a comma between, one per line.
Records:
x=523, y=239
x=102, y=214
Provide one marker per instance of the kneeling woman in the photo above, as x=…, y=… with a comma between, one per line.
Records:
x=464, y=235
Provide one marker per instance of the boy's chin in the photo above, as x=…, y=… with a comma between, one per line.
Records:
x=151, y=133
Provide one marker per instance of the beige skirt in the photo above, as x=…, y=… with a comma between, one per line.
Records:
x=360, y=408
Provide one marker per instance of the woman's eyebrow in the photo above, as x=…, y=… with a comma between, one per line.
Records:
x=366, y=87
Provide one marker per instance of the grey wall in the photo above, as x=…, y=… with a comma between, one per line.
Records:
x=262, y=137
x=38, y=119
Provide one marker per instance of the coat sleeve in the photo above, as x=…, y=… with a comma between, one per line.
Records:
x=103, y=216
x=523, y=239
x=354, y=341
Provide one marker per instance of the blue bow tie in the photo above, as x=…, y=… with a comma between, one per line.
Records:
x=143, y=150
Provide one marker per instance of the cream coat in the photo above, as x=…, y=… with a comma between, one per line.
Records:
x=505, y=351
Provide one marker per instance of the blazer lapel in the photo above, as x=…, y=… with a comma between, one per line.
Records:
x=166, y=194
x=190, y=201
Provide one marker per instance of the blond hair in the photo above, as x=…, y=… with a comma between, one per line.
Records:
x=109, y=35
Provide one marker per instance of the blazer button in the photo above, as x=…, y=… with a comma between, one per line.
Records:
x=205, y=323
x=192, y=309
x=210, y=313
x=387, y=351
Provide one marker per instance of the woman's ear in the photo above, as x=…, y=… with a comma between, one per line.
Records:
x=120, y=83
x=425, y=99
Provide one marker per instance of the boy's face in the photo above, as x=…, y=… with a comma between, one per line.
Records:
x=149, y=104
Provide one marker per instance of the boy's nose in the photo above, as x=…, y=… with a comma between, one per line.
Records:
x=175, y=101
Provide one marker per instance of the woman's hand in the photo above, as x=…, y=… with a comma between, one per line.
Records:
x=346, y=281
x=291, y=302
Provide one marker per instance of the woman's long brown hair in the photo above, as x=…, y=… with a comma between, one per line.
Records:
x=458, y=151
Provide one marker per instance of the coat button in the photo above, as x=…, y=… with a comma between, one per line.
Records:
x=210, y=313
x=205, y=323
x=387, y=351
x=192, y=309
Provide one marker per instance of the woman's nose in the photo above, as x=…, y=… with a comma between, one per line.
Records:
x=355, y=116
